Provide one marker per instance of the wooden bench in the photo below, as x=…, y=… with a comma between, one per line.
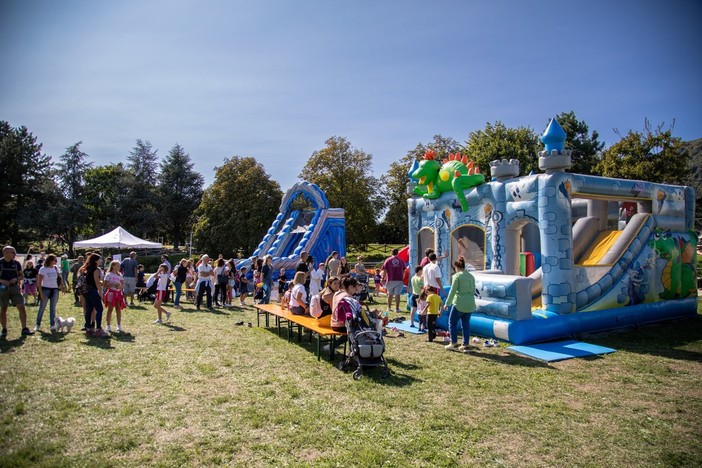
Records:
x=301, y=322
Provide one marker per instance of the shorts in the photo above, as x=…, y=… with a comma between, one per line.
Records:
x=129, y=285
x=11, y=294
x=161, y=295
x=30, y=288
x=394, y=287
x=413, y=300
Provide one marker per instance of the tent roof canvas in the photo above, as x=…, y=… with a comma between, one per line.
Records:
x=118, y=238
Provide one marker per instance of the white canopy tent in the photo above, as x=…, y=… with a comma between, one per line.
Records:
x=118, y=238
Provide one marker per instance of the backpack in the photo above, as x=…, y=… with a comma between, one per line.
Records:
x=82, y=287
x=222, y=278
x=315, y=306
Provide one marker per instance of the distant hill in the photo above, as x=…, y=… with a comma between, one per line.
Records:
x=694, y=147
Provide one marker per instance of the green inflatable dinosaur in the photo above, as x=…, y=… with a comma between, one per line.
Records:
x=455, y=174
x=678, y=276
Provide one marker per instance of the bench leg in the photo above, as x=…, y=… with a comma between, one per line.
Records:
x=319, y=347
x=332, y=347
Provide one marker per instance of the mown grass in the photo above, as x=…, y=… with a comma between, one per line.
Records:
x=203, y=391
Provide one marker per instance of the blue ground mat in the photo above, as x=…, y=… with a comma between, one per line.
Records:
x=560, y=350
x=405, y=327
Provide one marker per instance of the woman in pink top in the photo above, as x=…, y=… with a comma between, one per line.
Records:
x=114, y=297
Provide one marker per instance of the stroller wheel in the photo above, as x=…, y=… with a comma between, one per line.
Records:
x=357, y=374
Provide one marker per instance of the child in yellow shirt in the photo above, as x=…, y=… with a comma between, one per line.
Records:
x=434, y=304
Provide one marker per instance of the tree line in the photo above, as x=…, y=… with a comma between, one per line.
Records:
x=73, y=198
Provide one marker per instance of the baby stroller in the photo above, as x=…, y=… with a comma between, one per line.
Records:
x=363, y=295
x=148, y=293
x=366, y=344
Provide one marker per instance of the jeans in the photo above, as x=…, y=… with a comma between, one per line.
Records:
x=267, y=287
x=93, y=301
x=203, y=288
x=64, y=277
x=455, y=316
x=178, y=291
x=220, y=294
x=51, y=296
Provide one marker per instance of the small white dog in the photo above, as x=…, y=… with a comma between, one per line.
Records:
x=61, y=323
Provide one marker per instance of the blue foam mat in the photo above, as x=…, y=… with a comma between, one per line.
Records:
x=560, y=350
x=405, y=327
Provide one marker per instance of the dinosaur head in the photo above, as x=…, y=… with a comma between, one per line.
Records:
x=663, y=243
x=428, y=169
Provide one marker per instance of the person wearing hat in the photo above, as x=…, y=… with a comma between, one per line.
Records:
x=10, y=277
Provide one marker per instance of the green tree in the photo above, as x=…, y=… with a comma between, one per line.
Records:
x=654, y=155
x=394, y=228
x=585, y=144
x=70, y=178
x=237, y=209
x=180, y=190
x=141, y=205
x=104, y=197
x=497, y=141
x=344, y=173
x=26, y=185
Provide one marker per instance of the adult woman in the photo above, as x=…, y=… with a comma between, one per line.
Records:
x=114, y=297
x=231, y=281
x=326, y=297
x=344, y=268
x=349, y=287
x=316, y=277
x=205, y=272
x=181, y=273
x=93, y=301
x=298, y=295
x=332, y=264
x=221, y=280
x=461, y=298
x=48, y=286
x=267, y=278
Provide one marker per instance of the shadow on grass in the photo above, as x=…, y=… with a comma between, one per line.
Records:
x=395, y=363
x=510, y=359
x=174, y=328
x=52, y=337
x=7, y=346
x=659, y=339
x=124, y=337
x=102, y=343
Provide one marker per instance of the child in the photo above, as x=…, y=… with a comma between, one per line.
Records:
x=161, y=291
x=281, y=284
x=434, y=304
x=243, y=286
x=422, y=310
x=114, y=298
x=30, y=281
x=417, y=284
x=140, y=277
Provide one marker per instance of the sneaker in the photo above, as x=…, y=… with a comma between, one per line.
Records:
x=412, y=325
x=158, y=321
x=397, y=311
x=108, y=329
x=118, y=329
x=487, y=344
x=52, y=329
x=495, y=343
x=168, y=316
x=464, y=348
x=26, y=331
x=36, y=328
x=451, y=346
x=100, y=333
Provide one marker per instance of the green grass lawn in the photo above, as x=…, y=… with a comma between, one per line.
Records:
x=203, y=391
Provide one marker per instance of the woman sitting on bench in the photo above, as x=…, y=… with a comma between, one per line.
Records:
x=298, y=296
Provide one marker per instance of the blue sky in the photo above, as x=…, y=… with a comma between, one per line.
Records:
x=275, y=79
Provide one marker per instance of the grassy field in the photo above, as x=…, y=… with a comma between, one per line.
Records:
x=203, y=391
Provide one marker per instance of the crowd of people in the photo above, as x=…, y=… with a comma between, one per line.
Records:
x=314, y=288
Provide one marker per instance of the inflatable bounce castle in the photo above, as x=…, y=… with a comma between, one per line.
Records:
x=318, y=231
x=556, y=253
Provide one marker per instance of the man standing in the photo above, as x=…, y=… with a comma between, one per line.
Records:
x=129, y=271
x=164, y=259
x=393, y=270
x=10, y=277
x=432, y=275
x=74, y=272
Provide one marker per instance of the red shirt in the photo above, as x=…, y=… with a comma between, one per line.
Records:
x=395, y=268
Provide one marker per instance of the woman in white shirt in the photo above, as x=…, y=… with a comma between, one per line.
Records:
x=298, y=295
x=114, y=297
x=205, y=274
x=47, y=284
x=316, y=276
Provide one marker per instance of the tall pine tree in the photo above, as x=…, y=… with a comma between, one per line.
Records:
x=180, y=190
x=70, y=177
x=140, y=211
